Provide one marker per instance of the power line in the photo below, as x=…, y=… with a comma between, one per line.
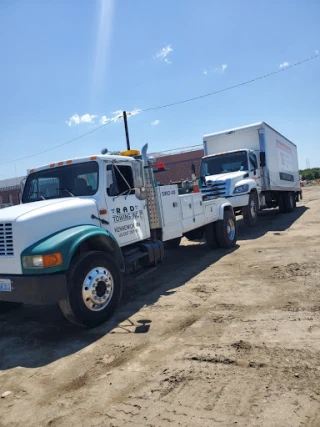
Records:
x=56, y=146
x=171, y=105
x=232, y=87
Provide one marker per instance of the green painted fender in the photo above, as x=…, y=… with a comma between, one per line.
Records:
x=67, y=242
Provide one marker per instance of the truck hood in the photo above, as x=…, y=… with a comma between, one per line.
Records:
x=224, y=176
x=32, y=222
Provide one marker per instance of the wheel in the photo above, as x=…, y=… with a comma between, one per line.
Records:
x=226, y=231
x=210, y=235
x=8, y=306
x=173, y=244
x=289, y=201
x=94, y=287
x=250, y=212
x=282, y=203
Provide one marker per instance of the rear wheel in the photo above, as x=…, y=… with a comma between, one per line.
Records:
x=95, y=288
x=210, y=235
x=226, y=231
x=250, y=212
x=282, y=203
x=290, y=201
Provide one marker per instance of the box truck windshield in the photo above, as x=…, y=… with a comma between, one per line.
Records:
x=224, y=163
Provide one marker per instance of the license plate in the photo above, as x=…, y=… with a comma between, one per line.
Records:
x=5, y=285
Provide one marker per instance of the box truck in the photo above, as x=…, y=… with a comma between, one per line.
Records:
x=254, y=167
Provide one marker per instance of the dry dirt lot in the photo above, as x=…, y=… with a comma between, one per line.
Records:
x=212, y=338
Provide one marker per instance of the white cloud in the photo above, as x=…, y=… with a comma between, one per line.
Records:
x=76, y=119
x=104, y=120
x=163, y=53
x=317, y=52
x=155, y=123
x=90, y=118
x=284, y=64
x=221, y=69
x=205, y=72
x=87, y=118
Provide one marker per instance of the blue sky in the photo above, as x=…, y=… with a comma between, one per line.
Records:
x=87, y=59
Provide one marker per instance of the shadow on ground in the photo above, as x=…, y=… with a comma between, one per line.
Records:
x=35, y=336
x=269, y=220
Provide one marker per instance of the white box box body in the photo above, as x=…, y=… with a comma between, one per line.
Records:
x=281, y=171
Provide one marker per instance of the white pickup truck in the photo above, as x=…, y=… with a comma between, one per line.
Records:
x=85, y=222
x=254, y=167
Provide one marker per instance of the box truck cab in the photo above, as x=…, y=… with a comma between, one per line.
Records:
x=254, y=167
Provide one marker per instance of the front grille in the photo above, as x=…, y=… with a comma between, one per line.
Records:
x=6, y=239
x=214, y=190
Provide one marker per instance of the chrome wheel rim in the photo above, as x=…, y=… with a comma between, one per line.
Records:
x=253, y=209
x=97, y=289
x=231, y=229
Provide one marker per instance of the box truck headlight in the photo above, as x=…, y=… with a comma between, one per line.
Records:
x=42, y=261
x=241, y=189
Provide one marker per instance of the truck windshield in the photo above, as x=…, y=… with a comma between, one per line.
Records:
x=80, y=179
x=224, y=163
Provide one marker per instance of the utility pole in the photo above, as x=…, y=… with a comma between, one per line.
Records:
x=308, y=163
x=126, y=129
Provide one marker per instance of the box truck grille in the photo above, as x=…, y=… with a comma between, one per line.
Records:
x=6, y=239
x=213, y=191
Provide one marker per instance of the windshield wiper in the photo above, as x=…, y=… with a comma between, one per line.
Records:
x=39, y=195
x=68, y=191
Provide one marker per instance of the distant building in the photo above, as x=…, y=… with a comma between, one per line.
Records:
x=177, y=164
x=10, y=191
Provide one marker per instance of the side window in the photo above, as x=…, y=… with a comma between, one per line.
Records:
x=120, y=180
x=253, y=162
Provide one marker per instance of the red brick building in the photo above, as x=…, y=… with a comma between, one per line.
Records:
x=10, y=191
x=178, y=165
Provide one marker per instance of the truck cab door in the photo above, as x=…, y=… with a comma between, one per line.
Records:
x=127, y=215
x=254, y=170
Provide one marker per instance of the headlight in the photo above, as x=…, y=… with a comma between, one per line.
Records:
x=42, y=261
x=241, y=189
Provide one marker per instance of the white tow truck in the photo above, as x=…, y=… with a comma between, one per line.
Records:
x=85, y=223
x=254, y=167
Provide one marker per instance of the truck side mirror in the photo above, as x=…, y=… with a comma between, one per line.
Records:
x=193, y=168
x=262, y=159
x=138, y=179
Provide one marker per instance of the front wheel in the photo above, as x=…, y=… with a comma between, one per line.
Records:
x=94, y=289
x=250, y=212
x=226, y=231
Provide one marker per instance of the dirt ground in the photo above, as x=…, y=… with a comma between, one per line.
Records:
x=212, y=338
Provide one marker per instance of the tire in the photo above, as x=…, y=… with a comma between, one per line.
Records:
x=289, y=201
x=8, y=306
x=282, y=203
x=210, y=235
x=92, y=275
x=173, y=244
x=226, y=231
x=250, y=212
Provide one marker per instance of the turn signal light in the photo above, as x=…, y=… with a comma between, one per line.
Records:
x=52, y=260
